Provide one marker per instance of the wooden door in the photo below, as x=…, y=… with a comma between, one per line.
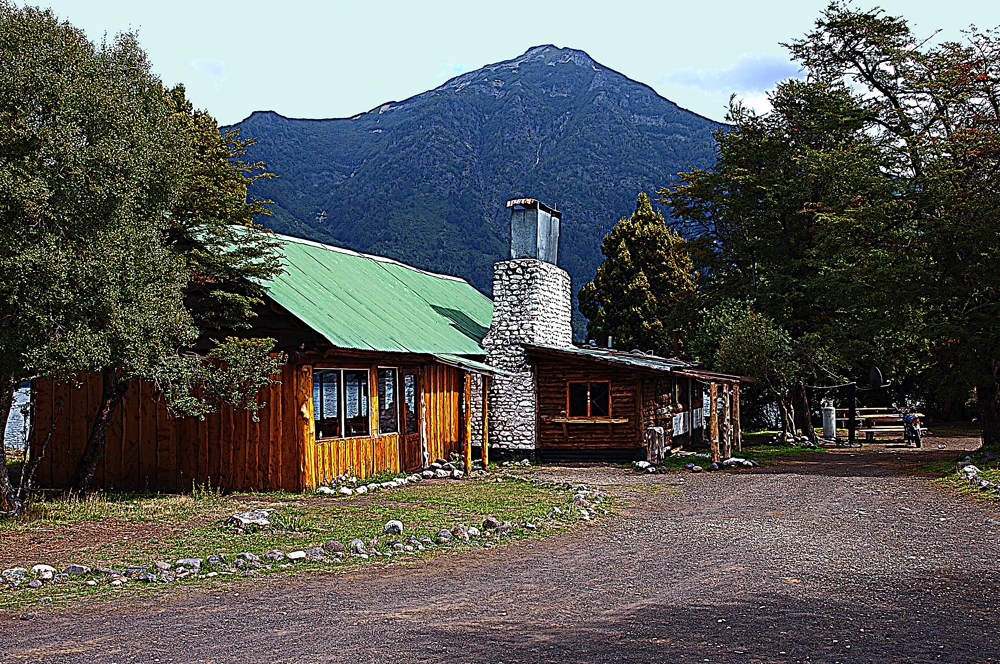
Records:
x=411, y=450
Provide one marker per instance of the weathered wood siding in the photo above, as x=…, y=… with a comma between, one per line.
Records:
x=561, y=439
x=442, y=389
x=148, y=448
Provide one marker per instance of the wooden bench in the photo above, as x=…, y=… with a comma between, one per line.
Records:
x=872, y=421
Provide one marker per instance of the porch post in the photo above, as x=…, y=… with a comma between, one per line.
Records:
x=737, y=430
x=713, y=421
x=486, y=422
x=467, y=416
x=727, y=436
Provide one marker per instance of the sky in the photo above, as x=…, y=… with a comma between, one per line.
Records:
x=333, y=59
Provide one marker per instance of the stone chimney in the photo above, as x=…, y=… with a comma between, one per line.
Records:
x=532, y=304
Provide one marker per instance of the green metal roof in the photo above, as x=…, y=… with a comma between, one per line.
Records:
x=634, y=359
x=371, y=303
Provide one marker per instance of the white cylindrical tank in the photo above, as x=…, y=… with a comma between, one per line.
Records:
x=829, y=420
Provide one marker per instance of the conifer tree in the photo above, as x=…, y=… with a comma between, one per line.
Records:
x=645, y=287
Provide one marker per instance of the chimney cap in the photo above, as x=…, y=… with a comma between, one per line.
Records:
x=535, y=203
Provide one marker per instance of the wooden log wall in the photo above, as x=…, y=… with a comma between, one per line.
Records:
x=555, y=438
x=149, y=449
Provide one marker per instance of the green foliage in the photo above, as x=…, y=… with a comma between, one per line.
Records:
x=127, y=226
x=233, y=373
x=86, y=178
x=933, y=110
x=645, y=288
x=213, y=223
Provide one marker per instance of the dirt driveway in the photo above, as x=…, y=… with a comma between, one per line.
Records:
x=852, y=556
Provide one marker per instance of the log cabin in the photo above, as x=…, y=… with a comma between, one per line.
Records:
x=601, y=404
x=565, y=402
x=381, y=358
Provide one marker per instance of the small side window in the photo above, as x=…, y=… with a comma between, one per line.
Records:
x=578, y=400
x=589, y=399
x=388, y=406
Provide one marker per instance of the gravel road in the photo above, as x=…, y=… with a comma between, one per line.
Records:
x=851, y=556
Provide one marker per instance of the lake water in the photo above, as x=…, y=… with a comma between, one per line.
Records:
x=15, y=434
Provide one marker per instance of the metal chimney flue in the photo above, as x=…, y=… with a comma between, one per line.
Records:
x=534, y=230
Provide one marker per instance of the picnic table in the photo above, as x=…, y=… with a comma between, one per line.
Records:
x=873, y=421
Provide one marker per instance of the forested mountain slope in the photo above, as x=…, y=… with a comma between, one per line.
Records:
x=425, y=180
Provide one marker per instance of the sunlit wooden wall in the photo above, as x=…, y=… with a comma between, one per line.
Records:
x=149, y=449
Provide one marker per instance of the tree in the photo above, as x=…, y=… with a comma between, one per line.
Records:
x=934, y=112
x=87, y=167
x=227, y=260
x=111, y=209
x=787, y=222
x=747, y=343
x=643, y=290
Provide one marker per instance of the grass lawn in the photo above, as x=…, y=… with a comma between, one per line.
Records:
x=952, y=478
x=113, y=531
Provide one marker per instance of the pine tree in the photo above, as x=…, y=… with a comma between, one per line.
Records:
x=645, y=287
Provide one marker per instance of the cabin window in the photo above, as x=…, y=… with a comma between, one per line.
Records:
x=340, y=403
x=326, y=403
x=356, y=419
x=410, y=403
x=592, y=399
x=388, y=406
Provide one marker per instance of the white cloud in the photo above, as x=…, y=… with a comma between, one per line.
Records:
x=214, y=68
x=750, y=74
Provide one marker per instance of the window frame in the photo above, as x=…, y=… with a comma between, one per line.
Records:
x=588, y=416
x=342, y=403
x=397, y=393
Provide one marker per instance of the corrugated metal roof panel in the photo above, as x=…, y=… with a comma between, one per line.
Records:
x=647, y=362
x=371, y=303
x=472, y=365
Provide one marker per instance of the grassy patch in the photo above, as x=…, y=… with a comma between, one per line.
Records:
x=766, y=454
x=954, y=479
x=126, y=529
x=762, y=454
x=958, y=482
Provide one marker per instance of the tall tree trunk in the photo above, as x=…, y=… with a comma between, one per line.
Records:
x=988, y=396
x=112, y=391
x=803, y=413
x=8, y=495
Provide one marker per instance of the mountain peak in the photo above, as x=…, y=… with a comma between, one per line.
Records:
x=425, y=180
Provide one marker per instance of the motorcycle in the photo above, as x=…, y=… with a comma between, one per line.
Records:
x=912, y=431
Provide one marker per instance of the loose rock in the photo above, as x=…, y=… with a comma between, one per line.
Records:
x=333, y=546
x=393, y=527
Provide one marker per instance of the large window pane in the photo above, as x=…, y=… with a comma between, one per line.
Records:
x=356, y=419
x=326, y=403
x=410, y=403
x=578, y=399
x=600, y=400
x=388, y=408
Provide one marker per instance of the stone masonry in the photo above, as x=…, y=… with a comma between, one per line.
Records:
x=532, y=304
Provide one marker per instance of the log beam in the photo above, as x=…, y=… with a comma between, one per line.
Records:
x=486, y=423
x=737, y=431
x=713, y=421
x=467, y=417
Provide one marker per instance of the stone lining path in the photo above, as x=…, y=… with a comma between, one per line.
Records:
x=852, y=556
